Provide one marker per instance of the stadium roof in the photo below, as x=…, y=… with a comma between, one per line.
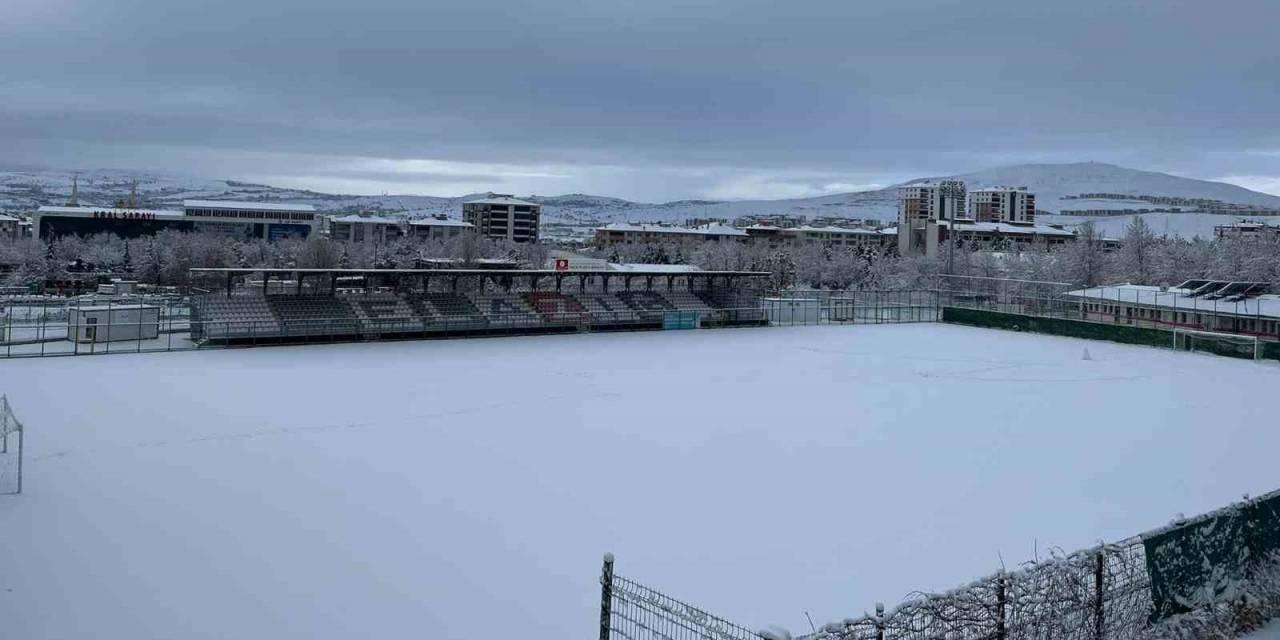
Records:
x=1176, y=299
x=654, y=270
x=247, y=206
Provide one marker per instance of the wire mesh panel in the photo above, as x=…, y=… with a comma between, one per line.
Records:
x=632, y=611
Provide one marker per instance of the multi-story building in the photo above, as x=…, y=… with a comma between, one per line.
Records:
x=921, y=206
x=1247, y=230
x=628, y=233
x=503, y=217
x=1002, y=204
x=10, y=227
x=271, y=221
x=829, y=237
x=438, y=227
x=781, y=220
x=356, y=228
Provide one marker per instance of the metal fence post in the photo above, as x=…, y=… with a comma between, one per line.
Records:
x=1001, y=631
x=606, y=596
x=1099, y=620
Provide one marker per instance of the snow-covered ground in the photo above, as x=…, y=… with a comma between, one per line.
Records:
x=1269, y=632
x=467, y=488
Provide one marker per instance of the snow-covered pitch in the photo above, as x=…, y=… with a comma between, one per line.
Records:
x=468, y=488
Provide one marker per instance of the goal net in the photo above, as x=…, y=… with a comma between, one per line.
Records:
x=1223, y=344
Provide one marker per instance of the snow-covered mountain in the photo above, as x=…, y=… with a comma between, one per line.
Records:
x=1058, y=187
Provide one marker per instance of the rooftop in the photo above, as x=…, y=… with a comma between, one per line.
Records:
x=366, y=219
x=502, y=200
x=89, y=211
x=709, y=230
x=1011, y=229
x=1266, y=305
x=439, y=222
x=640, y=269
x=246, y=206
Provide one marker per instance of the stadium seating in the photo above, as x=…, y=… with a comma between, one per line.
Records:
x=646, y=304
x=307, y=316
x=444, y=310
x=687, y=301
x=287, y=316
x=606, y=308
x=385, y=313
x=557, y=307
x=506, y=309
x=240, y=316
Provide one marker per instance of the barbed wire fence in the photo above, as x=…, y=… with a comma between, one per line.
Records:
x=11, y=434
x=1208, y=577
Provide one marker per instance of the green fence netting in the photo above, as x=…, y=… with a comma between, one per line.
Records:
x=1210, y=559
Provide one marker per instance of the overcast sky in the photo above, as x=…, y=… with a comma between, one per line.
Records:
x=643, y=99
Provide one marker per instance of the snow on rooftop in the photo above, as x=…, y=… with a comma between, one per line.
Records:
x=653, y=268
x=1012, y=229
x=439, y=222
x=243, y=205
x=89, y=211
x=710, y=229
x=502, y=200
x=1173, y=298
x=358, y=219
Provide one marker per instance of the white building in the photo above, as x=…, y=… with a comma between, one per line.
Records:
x=438, y=227
x=269, y=220
x=10, y=227
x=503, y=217
x=357, y=228
x=1247, y=230
x=630, y=233
x=1205, y=305
x=1012, y=205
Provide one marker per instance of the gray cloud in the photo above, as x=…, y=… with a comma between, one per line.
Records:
x=646, y=99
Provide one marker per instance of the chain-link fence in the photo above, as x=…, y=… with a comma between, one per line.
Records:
x=1223, y=563
x=632, y=611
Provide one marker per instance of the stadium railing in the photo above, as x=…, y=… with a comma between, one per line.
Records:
x=38, y=327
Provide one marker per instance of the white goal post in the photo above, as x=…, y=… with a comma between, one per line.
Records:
x=11, y=433
x=1243, y=346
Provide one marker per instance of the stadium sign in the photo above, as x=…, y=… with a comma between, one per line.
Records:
x=123, y=215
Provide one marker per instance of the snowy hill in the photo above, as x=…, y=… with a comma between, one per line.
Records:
x=1053, y=185
x=1080, y=186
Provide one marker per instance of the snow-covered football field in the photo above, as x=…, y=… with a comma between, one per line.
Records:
x=467, y=488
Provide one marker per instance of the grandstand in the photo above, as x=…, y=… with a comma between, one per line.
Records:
x=284, y=305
